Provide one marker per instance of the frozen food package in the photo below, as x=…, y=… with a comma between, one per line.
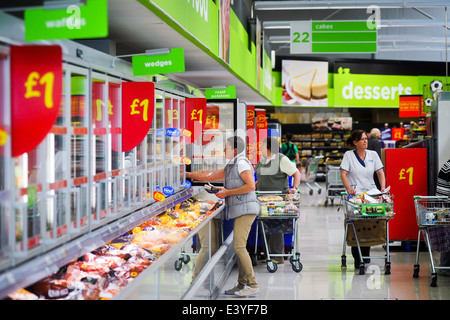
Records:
x=22, y=294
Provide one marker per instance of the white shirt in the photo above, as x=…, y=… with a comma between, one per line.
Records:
x=243, y=165
x=286, y=165
x=361, y=177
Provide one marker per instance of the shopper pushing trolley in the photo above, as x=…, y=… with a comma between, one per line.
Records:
x=357, y=169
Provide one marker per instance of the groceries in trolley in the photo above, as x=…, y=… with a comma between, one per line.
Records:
x=432, y=213
x=432, y=210
x=279, y=205
x=102, y=273
x=365, y=206
x=440, y=216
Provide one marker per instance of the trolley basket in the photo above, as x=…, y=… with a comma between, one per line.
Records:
x=353, y=211
x=334, y=185
x=431, y=212
x=279, y=206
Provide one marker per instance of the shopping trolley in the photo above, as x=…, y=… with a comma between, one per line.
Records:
x=431, y=211
x=353, y=210
x=185, y=257
x=311, y=174
x=276, y=205
x=334, y=185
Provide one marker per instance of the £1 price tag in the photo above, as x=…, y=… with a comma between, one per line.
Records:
x=36, y=91
x=158, y=196
x=137, y=112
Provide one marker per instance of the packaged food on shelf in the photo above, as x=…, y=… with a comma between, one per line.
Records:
x=103, y=272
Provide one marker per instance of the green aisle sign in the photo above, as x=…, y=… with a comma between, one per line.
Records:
x=72, y=22
x=223, y=93
x=333, y=37
x=159, y=64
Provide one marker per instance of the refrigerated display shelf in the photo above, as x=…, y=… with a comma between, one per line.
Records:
x=50, y=262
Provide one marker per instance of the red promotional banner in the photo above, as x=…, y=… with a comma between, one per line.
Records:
x=98, y=101
x=195, y=118
x=114, y=115
x=138, y=105
x=409, y=106
x=406, y=174
x=261, y=131
x=251, y=135
x=398, y=133
x=211, y=128
x=36, y=93
x=422, y=113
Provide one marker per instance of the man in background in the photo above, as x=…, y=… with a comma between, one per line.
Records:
x=374, y=143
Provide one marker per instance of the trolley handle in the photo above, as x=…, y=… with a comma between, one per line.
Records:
x=272, y=192
x=430, y=197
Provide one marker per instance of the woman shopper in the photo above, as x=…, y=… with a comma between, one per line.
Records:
x=241, y=205
x=272, y=173
x=357, y=171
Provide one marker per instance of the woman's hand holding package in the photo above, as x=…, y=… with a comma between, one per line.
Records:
x=223, y=193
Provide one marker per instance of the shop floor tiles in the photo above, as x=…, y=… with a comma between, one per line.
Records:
x=321, y=234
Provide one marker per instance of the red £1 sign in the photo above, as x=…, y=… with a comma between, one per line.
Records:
x=138, y=105
x=36, y=94
x=195, y=118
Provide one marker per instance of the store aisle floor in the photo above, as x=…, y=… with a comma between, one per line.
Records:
x=321, y=233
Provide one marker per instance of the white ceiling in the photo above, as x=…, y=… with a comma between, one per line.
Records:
x=409, y=29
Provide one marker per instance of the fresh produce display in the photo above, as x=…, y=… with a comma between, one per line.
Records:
x=102, y=273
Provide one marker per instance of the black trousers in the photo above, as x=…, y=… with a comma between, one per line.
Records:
x=365, y=251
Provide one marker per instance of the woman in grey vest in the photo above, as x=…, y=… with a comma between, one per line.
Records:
x=241, y=205
x=272, y=172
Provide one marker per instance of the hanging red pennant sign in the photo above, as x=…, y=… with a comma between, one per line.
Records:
x=211, y=128
x=36, y=93
x=195, y=118
x=261, y=131
x=409, y=106
x=251, y=134
x=138, y=105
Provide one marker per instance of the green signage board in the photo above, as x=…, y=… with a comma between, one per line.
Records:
x=369, y=90
x=73, y=22
x=223, y=93
x=333, y=37
x=194, y=16
x=159, y=64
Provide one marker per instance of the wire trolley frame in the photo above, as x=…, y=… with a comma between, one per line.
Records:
x=368, y=212
x=334, y=185
x=431, y=211
x=276, y=205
